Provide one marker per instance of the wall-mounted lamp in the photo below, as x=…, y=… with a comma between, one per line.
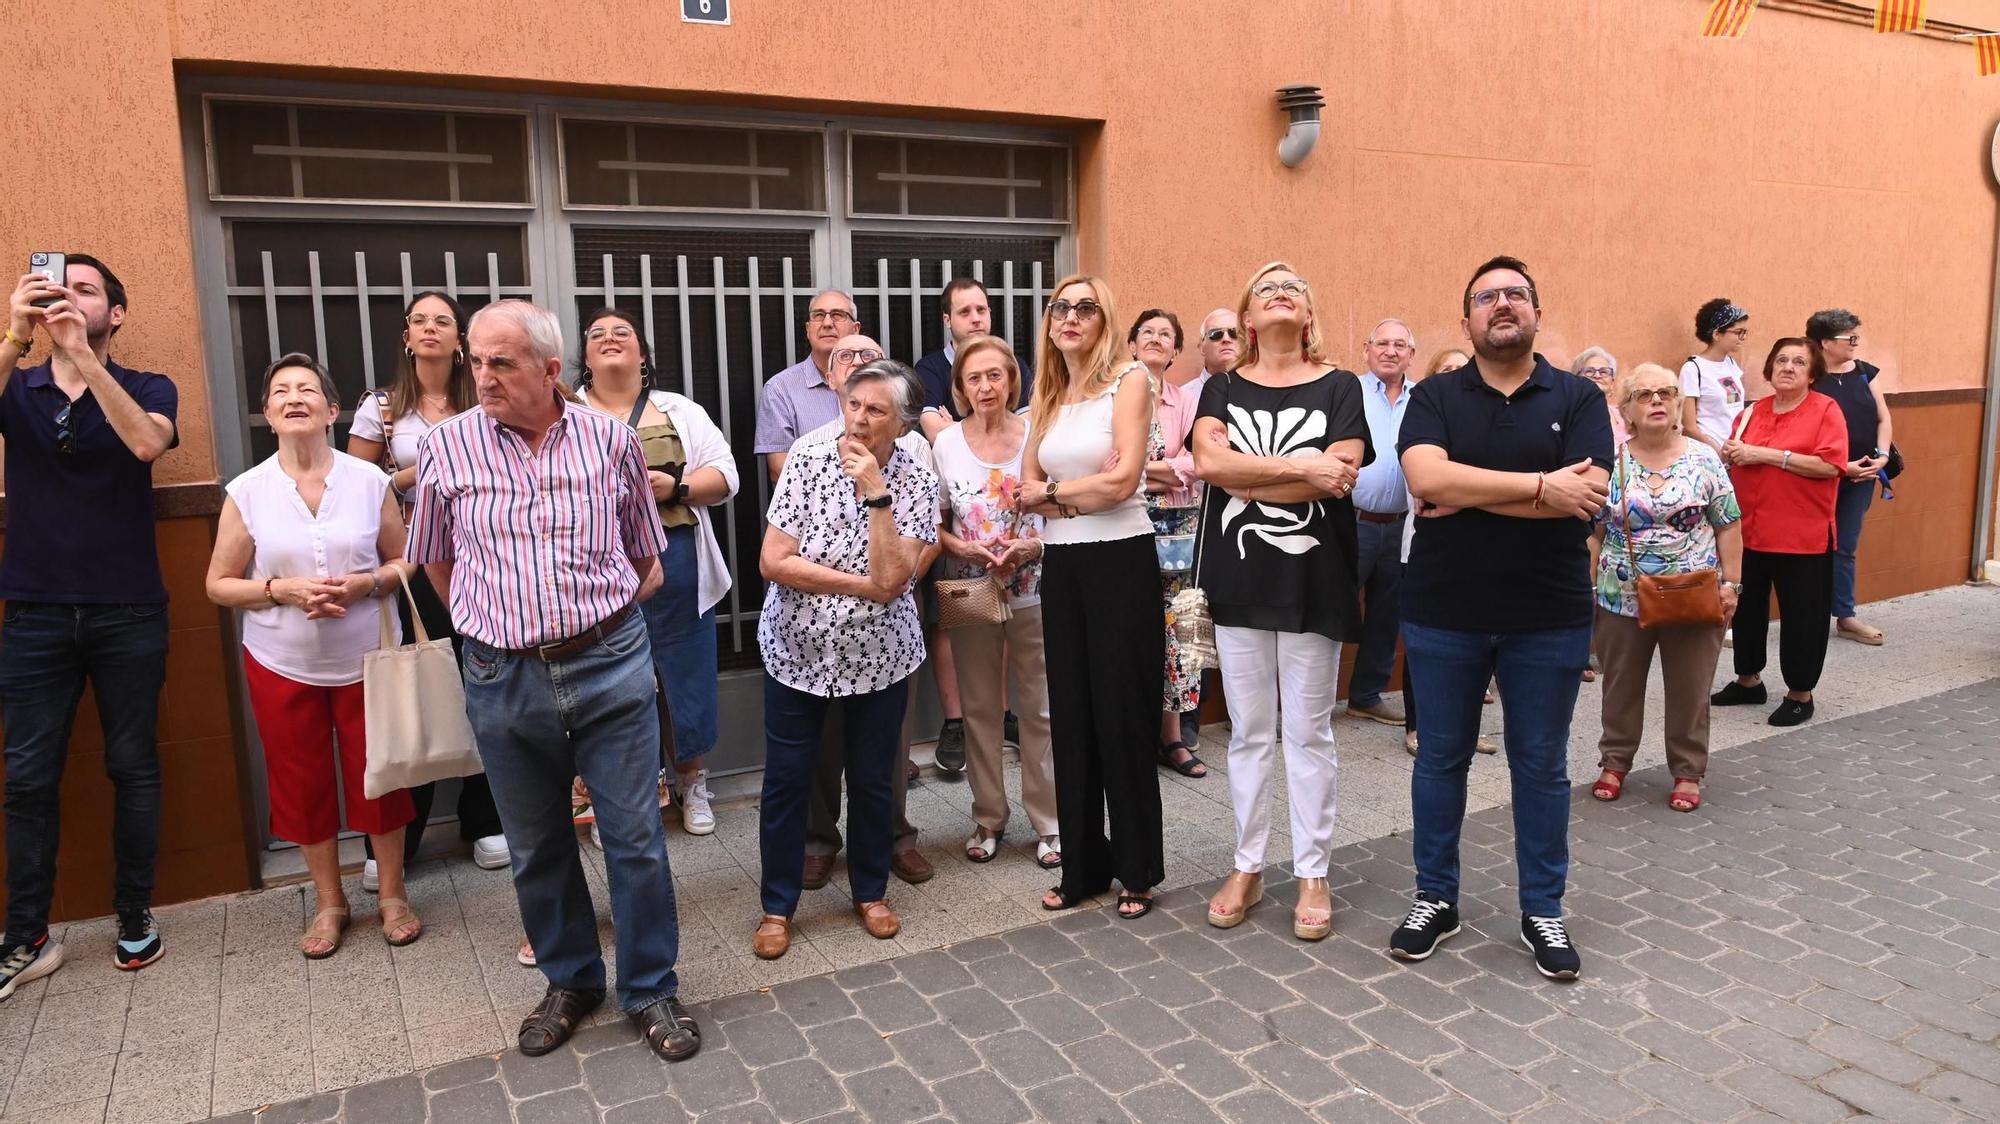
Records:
x=1302, y=133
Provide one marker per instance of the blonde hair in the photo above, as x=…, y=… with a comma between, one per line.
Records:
x=972, y=347
x=1101, y=367
x=1630, y=379
x=1437, y=361
x=1311, y=342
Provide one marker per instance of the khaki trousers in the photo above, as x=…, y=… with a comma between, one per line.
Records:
x=1688, y=656
x=989, y=657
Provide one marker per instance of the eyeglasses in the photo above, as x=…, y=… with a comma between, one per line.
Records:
x=613, y=331
x=418, y=320
x=830, y=316
x=1851, y=341
x=856, y=355
x=1655, y=394
x=1514, y=294
x=1596, y=372
x=65, y=439
x=1393, y=345
x=1265, y=290
x=1086, y=310
x=1217, y=335
x=1739, y=333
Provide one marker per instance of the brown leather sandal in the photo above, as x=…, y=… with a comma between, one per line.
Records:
x=773, y=937
x=326, y=928
x=400, y=924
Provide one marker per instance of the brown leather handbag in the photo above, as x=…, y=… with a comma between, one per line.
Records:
x=1669, y=600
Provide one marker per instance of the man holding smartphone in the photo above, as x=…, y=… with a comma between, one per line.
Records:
x=80, y=574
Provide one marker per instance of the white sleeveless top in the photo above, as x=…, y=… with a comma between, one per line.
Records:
x=1077, y=444
x=293, y=541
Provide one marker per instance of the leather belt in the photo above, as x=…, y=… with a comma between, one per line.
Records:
x=576, y=645
x=1379, y=516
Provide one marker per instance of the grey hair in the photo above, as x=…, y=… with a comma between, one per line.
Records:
x=904, y=387
x=543, y=330
x=1372, y=332
x=1830, y=322
x=1583, y=358
x=853, y=309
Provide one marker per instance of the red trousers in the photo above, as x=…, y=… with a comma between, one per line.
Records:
x=300, y=725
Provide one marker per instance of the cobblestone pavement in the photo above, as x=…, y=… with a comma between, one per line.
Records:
x=233, y=1018
x=1820, y=941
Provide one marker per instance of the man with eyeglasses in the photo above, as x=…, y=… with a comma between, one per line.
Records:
x=85, y=601
x=1509, y=459
x=1380, y=507
x=799, y=398
x=968, y=312
x=823, y=838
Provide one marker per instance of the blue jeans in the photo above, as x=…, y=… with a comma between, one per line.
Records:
x=871, y=728
x=1539, y=673
x=593, y=715
x=1380, y=573
x=683, y=639
x=46, y=654
x=1849, y=510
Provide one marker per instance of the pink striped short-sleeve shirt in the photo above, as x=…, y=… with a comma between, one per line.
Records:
x=541, y=543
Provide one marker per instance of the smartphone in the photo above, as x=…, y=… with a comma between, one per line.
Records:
x=53, y=266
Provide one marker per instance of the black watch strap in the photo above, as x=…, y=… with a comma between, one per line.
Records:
x=883, y=500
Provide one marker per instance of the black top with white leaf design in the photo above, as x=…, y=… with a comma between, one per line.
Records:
x=1284, y=567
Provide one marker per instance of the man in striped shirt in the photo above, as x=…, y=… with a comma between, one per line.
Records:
x=534, y=517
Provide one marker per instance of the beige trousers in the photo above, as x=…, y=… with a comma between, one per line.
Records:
x=989, y=657
x=1687, y=664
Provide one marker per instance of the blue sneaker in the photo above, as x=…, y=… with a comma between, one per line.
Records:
x=138, y=940
x=23, y=961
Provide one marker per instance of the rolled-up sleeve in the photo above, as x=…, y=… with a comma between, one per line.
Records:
x=639, y=526
x=706, y=446
x=430, y=512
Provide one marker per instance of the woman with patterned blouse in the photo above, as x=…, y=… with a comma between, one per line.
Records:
x=852, y=522
x=1672, y=510
x=979, y=465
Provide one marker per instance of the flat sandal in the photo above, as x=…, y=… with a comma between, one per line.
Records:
x=397, y=914
x=327, y=925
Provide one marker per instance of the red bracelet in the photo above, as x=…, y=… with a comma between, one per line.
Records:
x=1541, y=479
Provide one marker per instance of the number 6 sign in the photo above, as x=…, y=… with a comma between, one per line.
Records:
x=705, y=11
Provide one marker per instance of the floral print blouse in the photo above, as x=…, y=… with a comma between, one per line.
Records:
x=1670, y=531
x=835, y=644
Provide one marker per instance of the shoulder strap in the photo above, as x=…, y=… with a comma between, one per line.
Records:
x=388, y=433
x=1201, y=520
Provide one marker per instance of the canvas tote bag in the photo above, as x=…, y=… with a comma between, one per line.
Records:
x=414, y=703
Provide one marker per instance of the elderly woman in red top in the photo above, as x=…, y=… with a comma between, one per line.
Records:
x=1786, y=457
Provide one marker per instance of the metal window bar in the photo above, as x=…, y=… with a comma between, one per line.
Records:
x=267, y=292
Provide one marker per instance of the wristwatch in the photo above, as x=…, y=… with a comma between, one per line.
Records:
x=1733, y=587
x=883, y=500
x=681, y=492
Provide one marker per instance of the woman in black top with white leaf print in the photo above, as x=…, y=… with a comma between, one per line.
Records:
x=1280, y=441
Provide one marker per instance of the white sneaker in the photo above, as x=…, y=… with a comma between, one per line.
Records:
x=490, y=852
x=697, y=816
x=596, y=840
x=371, y=879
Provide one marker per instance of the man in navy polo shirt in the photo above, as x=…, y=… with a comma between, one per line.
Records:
x=1509, y=459
x=81, y=578
x=968, y=312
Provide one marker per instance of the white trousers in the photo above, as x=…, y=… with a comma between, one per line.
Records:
x=1300, y=672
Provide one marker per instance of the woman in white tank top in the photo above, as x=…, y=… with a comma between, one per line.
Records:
x=1100, y=599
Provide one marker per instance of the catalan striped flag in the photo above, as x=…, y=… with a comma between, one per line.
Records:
x=1899, y=15
x=1728, y=18
x=1989, y=54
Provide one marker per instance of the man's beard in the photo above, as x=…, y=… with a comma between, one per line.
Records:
x=1522, y=345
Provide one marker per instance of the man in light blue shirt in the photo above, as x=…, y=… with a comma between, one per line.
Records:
x=1381, y=504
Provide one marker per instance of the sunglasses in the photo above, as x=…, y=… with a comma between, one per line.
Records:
x=1217, y=335
x=65, y=437
x=1086, y=310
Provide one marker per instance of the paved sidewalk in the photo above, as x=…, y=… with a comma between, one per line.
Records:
x=233, y=1018
x=1821, y=940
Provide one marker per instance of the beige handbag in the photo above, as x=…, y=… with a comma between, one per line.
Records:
x=1193, y=627
x=414, y=703
x=970, y=601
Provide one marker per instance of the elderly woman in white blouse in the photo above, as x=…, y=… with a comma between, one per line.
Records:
x=853, y=521
x=305, y=545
